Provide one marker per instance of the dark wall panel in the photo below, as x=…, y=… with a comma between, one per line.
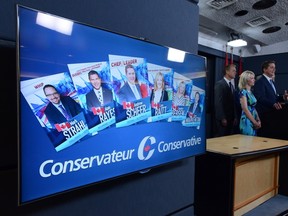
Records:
x=167, y=22
x=162, y=191
x=8, y=88
x=281, y=78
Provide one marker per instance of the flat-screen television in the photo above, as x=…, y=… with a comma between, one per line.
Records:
x=95, y=104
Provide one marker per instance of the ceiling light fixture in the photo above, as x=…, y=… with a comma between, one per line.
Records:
x=236, y=41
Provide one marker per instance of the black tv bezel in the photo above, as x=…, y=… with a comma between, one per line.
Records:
x=19, y=120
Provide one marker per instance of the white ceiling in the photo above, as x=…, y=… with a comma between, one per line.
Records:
x=217, y=20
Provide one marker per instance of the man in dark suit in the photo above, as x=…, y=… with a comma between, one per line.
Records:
x=194, y=108
x=98, y=96
x=268, y=100
x=225, y=103
x=130, y=91
x=60, y=108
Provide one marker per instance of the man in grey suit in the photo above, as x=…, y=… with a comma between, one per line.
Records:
x=225, y=103
x=98, y=96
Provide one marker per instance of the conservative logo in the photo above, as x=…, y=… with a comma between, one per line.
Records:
x=147, y=148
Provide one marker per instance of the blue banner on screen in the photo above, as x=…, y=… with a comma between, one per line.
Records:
x=95, y=105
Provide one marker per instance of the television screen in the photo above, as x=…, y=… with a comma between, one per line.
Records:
x=95, y=105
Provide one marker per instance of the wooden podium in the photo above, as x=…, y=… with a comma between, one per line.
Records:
x=238, y=173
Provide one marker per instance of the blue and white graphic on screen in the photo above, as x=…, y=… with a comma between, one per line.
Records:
x=124, y=106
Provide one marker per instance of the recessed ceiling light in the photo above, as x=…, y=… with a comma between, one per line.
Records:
x=264, y=4
x=241, y=13
x=271, y=29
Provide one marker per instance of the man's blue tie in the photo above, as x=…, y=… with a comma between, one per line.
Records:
x=272, y=84
x=64, y=112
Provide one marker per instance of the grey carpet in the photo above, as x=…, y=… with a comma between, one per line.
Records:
x=275, y=206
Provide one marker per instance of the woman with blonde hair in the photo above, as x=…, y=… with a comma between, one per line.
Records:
x=179, y=98
x=159, y=93
x=249, y=120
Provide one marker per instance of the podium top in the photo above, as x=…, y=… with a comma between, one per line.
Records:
x=242, y=144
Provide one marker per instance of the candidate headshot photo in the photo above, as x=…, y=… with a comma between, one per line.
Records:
x=131, y=90
x=99, y=95
x=159, y=93
x=179, y=98
x=60, y=108
x=195, y=109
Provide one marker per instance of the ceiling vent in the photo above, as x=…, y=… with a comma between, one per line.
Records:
x=219, y=4
x=207, y=31
x=258, y=21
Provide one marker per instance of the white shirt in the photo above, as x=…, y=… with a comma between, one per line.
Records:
x=230, y=81
x=135, y=90
x=270, y=80
x=99, y=94
x=157, y=96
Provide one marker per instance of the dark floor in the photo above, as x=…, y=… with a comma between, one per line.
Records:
x=275, y=206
